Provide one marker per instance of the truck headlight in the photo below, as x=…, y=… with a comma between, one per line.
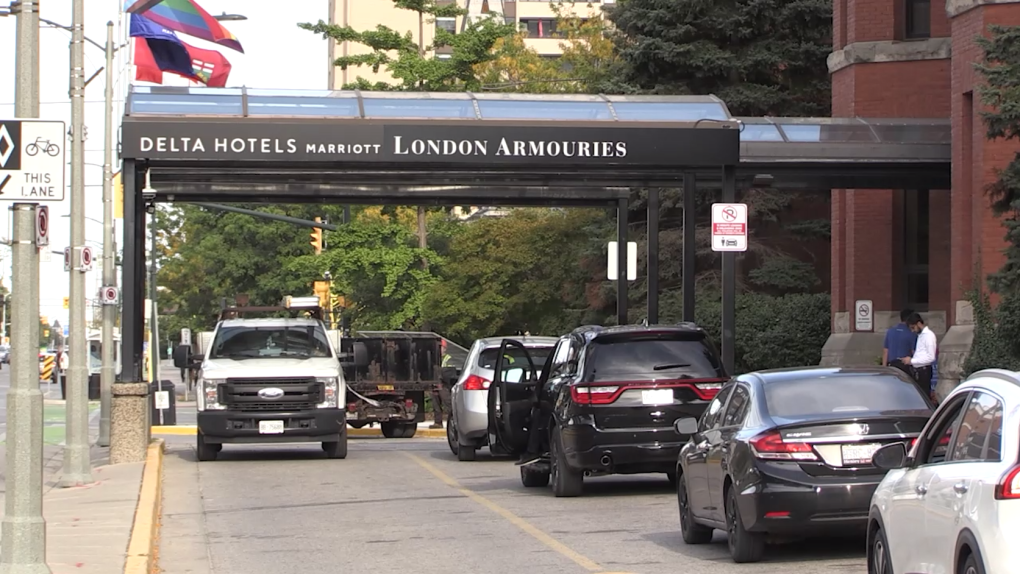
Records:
x=208, y=395
x=331, y=390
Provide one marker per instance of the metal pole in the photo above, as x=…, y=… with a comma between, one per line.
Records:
x=132, y=277
x=23, y=532
x=729, y=281
x=690, y=248
x=621, y=262
x=153, y=330
x=109, y=369
x=77, y=462
x=26, y=61
x=653, y=256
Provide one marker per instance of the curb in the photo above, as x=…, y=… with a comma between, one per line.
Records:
x=192, y=430
x=141, y=549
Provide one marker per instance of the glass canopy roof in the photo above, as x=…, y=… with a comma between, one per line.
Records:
x=164, y=101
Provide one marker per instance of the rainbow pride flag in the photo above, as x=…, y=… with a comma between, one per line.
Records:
x=186, y=17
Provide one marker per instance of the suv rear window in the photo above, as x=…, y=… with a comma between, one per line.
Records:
x=852, y=395
x=487, y=358
x=648, y=357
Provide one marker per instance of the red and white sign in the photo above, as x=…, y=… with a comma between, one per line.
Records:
x=86, y=259
x=42, y=226
x=110, y=295
x=67, y=259
x=864, y=315
x=729, y=227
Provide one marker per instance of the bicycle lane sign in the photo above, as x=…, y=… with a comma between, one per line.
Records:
x=32, y=160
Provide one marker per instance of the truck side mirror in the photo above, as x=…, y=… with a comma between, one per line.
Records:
x=182, y=356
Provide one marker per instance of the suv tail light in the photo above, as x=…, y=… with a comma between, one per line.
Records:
x=594, y=395
x=1009, y=487
x=770, y=446
x=476, y=383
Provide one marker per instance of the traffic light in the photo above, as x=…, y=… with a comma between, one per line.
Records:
x=67, y=302
x=316, y=234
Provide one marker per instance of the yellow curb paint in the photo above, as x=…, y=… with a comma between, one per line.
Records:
x=191, y=430
x=535, y=532
x=142, y=545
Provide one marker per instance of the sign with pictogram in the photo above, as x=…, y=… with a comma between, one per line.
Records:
x=67, y=259
x=42, y=226
x=32, y=160
x=864, y=315
x=86, y=259
x=729, y=227
x=109, y=295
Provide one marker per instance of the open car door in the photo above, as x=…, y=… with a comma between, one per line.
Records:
x=512, y=394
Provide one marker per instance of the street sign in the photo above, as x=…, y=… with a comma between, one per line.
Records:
x=67, y=259
x=42, y=226
x=110, y=295
x=185, y=336
x=86, y=259
x=32, y=160
x=729, y=227
x=612, y=264
x=67, y=331
x=864, y=315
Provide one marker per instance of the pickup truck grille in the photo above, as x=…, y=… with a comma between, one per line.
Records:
x=298, y=394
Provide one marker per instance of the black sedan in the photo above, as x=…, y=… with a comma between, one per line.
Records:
x=787, y=453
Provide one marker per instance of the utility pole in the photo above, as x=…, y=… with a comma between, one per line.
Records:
x=108, y=371
x=77, y=460
x=26, y=83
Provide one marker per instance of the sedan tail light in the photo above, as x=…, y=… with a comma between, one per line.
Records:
x=594, y=395
x=476, y=383
x=1009, y=487
x=770, y=446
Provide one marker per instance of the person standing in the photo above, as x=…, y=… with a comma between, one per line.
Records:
x=922, y=362
x=900, y=341
x=441, y=391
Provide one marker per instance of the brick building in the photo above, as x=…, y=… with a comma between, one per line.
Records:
x=916, y=248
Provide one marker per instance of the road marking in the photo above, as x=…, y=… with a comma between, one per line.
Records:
x=559, y=547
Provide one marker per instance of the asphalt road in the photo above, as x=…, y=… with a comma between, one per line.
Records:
x=399, y=506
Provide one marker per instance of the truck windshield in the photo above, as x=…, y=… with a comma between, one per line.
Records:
x=241, y=342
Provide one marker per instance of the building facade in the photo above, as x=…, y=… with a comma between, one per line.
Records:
x=535, y=17
x=915, y=248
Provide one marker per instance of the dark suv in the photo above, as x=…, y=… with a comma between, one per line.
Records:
x=610, y=396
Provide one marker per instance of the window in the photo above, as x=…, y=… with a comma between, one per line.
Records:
x=295, y=341
x=651, y=357
x=935, y=441
x=848, y=394
x=710, y=419
x=447, y=24
x=515, y=356
x=979, y=437
x=737, y=409
x=539, y=27
x=916, y=245
x=918, y=19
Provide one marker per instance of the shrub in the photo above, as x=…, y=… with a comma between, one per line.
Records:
x=996, y=334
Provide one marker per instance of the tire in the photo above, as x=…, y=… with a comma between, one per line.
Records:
x=451, y=437
x=466, y=453
x=745, y=547
x=691, y=531
x=206, y=451
x=671, y=477
x=970, y=566
x=534, y=478
x=337, y=449
x=392, y=429
x=878, y=553
x=408, y=430
x=566, y=482
x=358, y=425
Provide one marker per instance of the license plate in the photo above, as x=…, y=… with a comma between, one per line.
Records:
x=351, y=415
x=857, y=454
x=384, y=387
x=270, y=427
x=657, y=397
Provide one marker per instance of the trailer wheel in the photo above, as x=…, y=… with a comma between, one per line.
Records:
x=409, y=430
x=392, y=429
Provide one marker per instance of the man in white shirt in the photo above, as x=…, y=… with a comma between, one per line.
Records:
x=925, y=353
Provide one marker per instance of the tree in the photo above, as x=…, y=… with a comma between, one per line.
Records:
x=762, y=57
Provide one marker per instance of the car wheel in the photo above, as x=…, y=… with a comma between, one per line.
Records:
x=534, y=477
x=409, y=430
x=671, y=477
x=466, y=453
x=451, y=436
x=879, y=561
x=744, y=546
x=566, y=482
x=337, y=449
x=971, y=565
x=691, y=531
x=392, y=429
x=205, y=450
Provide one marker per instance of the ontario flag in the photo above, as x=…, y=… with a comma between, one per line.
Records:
x=158, y=50
x=185, y=17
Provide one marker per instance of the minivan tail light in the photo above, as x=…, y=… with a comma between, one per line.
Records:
x=1009, y=487
x=476, y=383
x=594, y=395
x=770, y=446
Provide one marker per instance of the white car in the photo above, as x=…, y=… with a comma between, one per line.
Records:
x=951, y=505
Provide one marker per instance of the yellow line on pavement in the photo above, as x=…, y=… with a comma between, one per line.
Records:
x=559, y=547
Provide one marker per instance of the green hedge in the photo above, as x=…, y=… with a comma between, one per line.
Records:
x=996, y=334
x=772, y=332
